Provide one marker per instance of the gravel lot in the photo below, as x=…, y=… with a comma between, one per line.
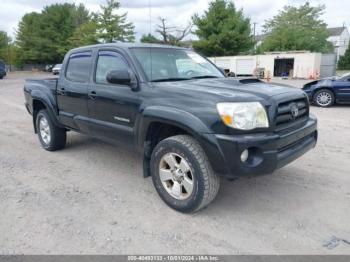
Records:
x=91, y=197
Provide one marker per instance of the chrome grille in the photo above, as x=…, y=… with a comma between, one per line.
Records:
x=291, y=112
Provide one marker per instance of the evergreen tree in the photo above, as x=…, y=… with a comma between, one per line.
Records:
x=113, y=27
x=344, y=61
x=222, y=30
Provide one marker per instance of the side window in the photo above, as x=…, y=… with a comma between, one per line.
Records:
x=79, y=67
x=108, y=61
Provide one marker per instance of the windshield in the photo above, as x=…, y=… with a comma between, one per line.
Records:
x=58, y=65
x=170, y=64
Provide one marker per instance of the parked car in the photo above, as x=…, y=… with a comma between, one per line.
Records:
x=191, y=124
x=56, y=69
x=328, y=91
x=2, y=69
x=48, y=68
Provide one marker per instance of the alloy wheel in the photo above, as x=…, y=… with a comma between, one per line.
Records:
x=176, y=176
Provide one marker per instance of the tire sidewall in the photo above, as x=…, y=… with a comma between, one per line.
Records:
x=320, y=91
x=194, y=200
x=41, y=114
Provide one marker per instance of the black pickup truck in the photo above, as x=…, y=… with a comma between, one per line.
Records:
x=191, y=123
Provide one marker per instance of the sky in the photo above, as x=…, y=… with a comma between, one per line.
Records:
x=177, y=12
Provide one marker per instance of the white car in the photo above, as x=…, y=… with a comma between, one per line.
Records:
x=56, y=69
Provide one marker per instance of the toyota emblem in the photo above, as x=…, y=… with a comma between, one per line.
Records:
x=294, y=110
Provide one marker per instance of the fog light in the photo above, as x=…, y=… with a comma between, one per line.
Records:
x=245, y=155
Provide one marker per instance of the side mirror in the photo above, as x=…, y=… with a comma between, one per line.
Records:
x=122, y=77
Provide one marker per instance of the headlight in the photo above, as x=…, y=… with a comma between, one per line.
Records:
x=245, y=116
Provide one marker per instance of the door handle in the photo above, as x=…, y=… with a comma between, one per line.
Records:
x=61, y=91
x=92, y=95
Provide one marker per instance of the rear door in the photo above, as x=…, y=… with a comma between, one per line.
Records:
x=112, y=107
x=72, y=91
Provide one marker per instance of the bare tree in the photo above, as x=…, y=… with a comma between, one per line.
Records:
x=170, y=34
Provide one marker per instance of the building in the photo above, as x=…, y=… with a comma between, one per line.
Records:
x=295, y=64
x=339, y=37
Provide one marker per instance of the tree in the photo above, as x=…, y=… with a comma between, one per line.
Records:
x=150, y=39
x=5, y=41
x=297, y=28
x=344, y=61
x=28, y=38
x=170, y=35
x=44, y=37
x=86, y=34
x=113, y=27
x=222, y=30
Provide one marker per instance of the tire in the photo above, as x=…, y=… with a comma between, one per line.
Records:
x=324, y=98
x=188, y=155
x=55, y=138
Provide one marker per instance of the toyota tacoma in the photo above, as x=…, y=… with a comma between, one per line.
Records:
x=192, y=124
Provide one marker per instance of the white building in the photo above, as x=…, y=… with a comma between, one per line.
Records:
x=296, y=64
x=339, y=37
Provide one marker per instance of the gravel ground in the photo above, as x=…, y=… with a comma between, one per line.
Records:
x=91, y=197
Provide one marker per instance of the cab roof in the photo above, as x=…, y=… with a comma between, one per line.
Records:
x=127, y=46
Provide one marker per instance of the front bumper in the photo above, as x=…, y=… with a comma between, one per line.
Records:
x=267, y=151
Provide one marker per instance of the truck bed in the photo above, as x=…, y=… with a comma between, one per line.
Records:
x=37, y=88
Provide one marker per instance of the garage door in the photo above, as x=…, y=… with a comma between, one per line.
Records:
x=328, y=65
x=223, y=63
x=245, y=67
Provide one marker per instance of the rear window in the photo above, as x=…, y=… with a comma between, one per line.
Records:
x=79, y=67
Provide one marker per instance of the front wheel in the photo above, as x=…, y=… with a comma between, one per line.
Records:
x=182, y=174
x=324, y=98
x=51, y=137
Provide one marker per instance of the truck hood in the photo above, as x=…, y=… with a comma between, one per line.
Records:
x=227, y=88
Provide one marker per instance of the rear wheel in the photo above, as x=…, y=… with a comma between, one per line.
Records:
x=51, y=137
x=182, y=174
x=324, y=98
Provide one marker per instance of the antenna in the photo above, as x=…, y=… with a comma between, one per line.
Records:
x=150, y=16
x=150, y=33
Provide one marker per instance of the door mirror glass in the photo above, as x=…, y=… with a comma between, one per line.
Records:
x=119, y=77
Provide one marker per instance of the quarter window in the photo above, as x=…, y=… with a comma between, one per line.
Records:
x=79, y=67
x=108, y=61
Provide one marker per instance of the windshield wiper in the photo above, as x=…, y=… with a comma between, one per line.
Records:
x=205, y=76
x=170, y=79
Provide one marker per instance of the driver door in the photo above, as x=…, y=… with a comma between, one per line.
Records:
x=112, y=107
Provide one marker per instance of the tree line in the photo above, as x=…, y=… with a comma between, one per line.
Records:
x=222, y=30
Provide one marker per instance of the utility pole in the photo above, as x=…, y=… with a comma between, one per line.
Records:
x=254, y=32
x=254, y=28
